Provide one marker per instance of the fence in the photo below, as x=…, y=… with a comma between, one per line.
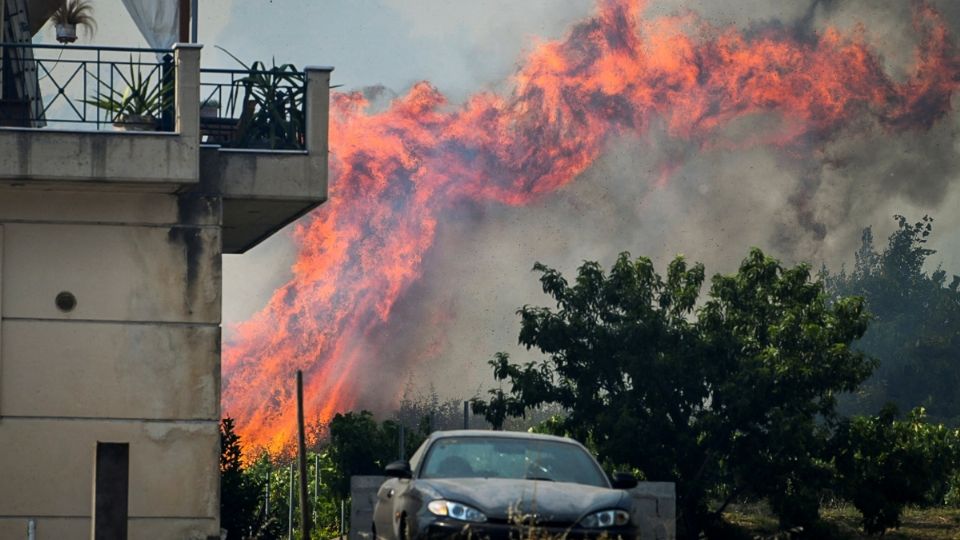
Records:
x=81, y=87
x=253, y=108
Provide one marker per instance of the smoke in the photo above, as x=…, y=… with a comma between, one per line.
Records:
x=801, y=207
x=784, y=134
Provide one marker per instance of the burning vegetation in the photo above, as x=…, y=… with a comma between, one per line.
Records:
x=398, y=173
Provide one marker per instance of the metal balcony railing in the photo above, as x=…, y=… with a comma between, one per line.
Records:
x=257, y=108
x=88, y=88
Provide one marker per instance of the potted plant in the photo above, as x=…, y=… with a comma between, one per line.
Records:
x=69, y=15
x=138, y=107
x=275, y=97
x=209, y=108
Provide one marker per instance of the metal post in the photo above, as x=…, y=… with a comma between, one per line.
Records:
x=184, y=22
x=31, y=524
x=316, y=483
x=194, y=23
x=466, y=415
x=3, y=38
x=167, y=98
x=290, y=507
x=343, y=515
x=266, y=507
x=302, y=462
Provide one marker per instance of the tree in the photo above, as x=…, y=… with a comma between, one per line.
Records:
x=361, y=446
x=915, y=332
x=730, y=398
x=238, y=495
x=884, y=464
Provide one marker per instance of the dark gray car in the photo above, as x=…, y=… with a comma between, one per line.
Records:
x=493, y=484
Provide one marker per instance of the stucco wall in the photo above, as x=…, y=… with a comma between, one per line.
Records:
x=136, y=361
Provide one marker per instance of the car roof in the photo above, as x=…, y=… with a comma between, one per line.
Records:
x=503, y=434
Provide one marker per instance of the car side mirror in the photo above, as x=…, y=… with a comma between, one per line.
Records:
x=624, y=480
x=398, y=469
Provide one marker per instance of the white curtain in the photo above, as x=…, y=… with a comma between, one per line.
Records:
x=158, y=20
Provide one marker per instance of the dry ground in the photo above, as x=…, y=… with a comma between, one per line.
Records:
x=918, y=523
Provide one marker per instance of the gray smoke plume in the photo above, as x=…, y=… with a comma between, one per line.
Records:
x=713, y=206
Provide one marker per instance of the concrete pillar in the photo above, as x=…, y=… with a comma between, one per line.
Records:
x=317, y=115
x=187, y=61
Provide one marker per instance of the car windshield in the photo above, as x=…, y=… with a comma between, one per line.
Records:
x=516, y=458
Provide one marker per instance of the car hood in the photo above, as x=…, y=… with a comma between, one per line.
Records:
x=500, y=499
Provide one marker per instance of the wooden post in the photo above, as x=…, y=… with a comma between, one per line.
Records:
x=302, y=460
x=184, y=21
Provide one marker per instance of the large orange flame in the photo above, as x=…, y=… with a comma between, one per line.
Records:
x=396, y=172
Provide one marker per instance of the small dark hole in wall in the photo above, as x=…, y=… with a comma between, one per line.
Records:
x=66, y=301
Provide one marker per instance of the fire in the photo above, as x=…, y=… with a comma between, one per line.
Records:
x=396, y=173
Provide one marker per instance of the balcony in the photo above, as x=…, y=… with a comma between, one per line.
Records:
x=153, y=119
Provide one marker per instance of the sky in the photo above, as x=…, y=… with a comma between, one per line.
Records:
x=717, y=206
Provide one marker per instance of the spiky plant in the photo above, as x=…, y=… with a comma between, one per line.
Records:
x=76, y=13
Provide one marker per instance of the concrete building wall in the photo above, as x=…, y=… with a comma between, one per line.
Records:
x=136, y=360
x=110, y=284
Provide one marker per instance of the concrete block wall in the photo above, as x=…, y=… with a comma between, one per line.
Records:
x=135, y=360
x=655, y=510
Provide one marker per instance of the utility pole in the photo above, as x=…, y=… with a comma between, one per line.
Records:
x=302, y=461
x=466, y=415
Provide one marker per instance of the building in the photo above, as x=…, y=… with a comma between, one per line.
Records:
x=110, y=282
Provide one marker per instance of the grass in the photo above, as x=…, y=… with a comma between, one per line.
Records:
x=843, y=521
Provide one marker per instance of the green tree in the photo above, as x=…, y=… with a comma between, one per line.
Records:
x=361, y=446
x=734, y=397
x=884, y=464
x=915, y=332
x=238, y=496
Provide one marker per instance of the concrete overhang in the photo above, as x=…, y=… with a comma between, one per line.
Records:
x=264, y=190
x=162, y=161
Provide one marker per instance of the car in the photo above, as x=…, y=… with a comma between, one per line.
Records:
x=500, y=485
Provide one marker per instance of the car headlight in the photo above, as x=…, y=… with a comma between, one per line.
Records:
x=605, y=519
x=456, y=510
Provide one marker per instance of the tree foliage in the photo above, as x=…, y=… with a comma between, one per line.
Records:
x=915, y=332
x=726, y=398
x=238, y=495
x=884, y=463
x=359, y=445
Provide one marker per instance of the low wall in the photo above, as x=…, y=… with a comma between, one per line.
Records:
x=655, y=510
x=363, y=497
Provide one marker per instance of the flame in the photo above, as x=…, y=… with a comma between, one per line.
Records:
x=395, y=173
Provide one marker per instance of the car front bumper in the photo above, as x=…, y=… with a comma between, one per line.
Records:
x=443, y=528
